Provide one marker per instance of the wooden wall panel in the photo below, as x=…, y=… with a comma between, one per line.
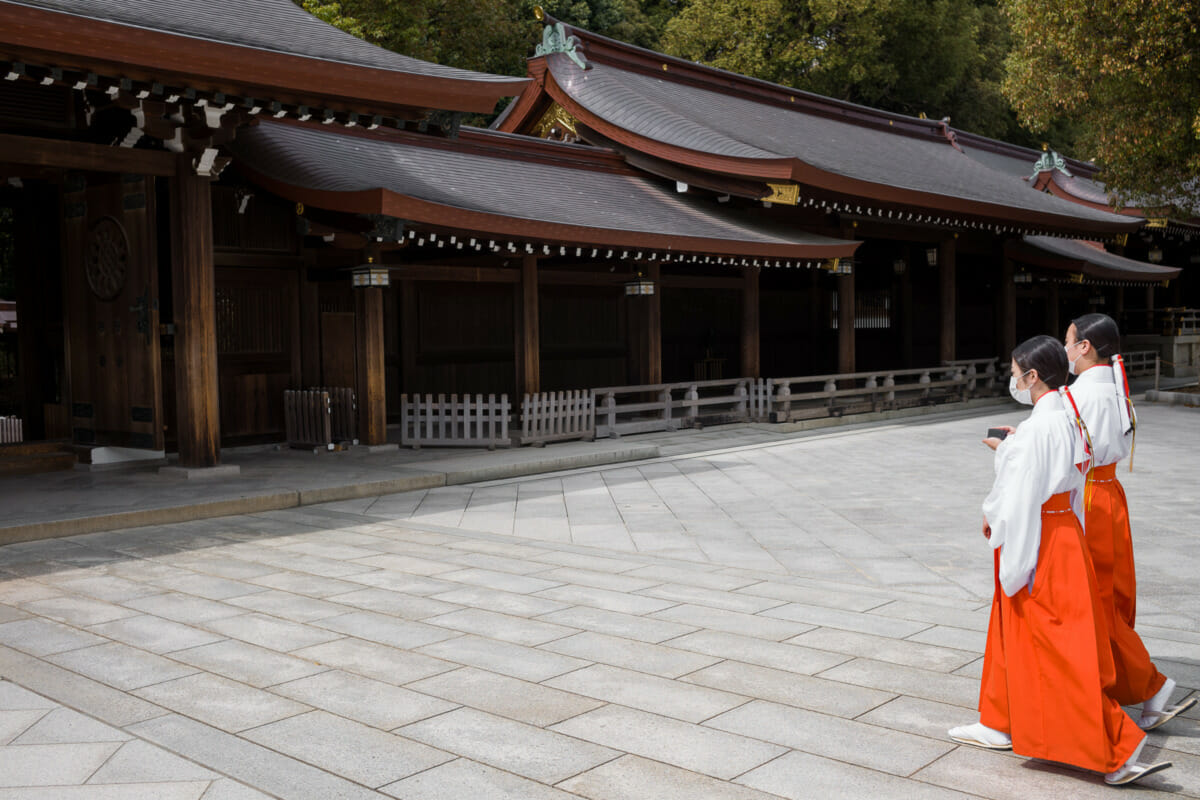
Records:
x=258, y=340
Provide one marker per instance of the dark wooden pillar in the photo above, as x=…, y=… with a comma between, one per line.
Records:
x=751, y=344
x=947, y=273
x=528, y=357
x=370, y=366
x=1008, y=311
x=194, y=293
x=1150, y=310
x=906, y=305
x=310, y=326
x=1119, y=307
x=644, y=315
x=845, y=289
x=654, y=373
x=1052, y=302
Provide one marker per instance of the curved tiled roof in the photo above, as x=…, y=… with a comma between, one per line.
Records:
x=1092, y=259
x=278, y=26
x=557, y=192
x=690, y=117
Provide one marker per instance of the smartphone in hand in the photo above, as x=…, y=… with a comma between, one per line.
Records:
x=997, y=433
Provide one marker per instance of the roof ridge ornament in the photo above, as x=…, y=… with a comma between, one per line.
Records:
x=555, y=39
x=1050, y=160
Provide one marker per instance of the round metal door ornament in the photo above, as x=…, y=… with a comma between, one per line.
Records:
x=107, y=258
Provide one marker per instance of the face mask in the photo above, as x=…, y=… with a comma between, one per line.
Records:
x=1070, y=363
x=1022, y=396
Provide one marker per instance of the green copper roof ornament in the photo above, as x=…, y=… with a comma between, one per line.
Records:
x=1050, y=160
x=556, y=40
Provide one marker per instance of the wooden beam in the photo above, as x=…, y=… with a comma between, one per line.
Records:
x=750, y=323
x=948, y=292
x=846, y=343
x=62, y=154
x=531, y=379
x=370, y=365
x=194, y=288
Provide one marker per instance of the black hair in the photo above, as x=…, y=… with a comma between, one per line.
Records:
x=1046, y=355
x=1101, y=331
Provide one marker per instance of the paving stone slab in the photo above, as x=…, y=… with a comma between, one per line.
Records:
x=515, y=660
x=832, y=737
x=802, y=691
x=373, y=660
x=759, y=625
x=1002, y=776
x=634, y=778
x=258, y=766
x=886, y=648
x=667, y=662
x=505, y=627
x=606, y=599
x=899, y=679
x=247, y=663
x=140, y=762
x=355, y=697
x=42, y=637
x=778, y=655
x=350, y=749
x=121, y=666
x=691, y=703
x=52, y=764
x=220, y=702
x=803, y=776
x=271, y=632
x=614, y=623
x=521, y=605
x=536, y=753
x=533, y=703
x=697, y=748
x=463, y=778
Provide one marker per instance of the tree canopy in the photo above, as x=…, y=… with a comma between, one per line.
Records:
x=1128, y=73
x=1115, y=81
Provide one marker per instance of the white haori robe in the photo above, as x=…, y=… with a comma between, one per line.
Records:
x=1101, y=400
x=1033, y=464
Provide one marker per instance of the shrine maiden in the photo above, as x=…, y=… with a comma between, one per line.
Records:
x=1102, y=393
x=1047, y=666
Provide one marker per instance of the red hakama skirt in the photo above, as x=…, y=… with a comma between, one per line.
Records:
x=1048, y=667
x=1111, y=545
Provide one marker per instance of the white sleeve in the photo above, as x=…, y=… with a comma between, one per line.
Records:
x=1014, y=510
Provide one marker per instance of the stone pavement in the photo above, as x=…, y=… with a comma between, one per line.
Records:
x=784, y=618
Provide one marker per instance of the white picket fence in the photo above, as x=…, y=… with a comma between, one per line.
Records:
x=460, y=421
x=613, y=411
x=558, y=416
x=10, y=430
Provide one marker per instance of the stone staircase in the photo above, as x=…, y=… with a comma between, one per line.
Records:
x=28, y=458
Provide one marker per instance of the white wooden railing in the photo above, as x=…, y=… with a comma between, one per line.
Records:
x=10, y=430
x=558, y=416
x=669, y=406
x=460, y=421
x=879, y=390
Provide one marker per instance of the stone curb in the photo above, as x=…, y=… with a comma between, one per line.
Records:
x=1185, y=399
x=325, y=494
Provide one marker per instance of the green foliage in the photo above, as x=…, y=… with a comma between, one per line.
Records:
x=1128, y=73
x=940, y=57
